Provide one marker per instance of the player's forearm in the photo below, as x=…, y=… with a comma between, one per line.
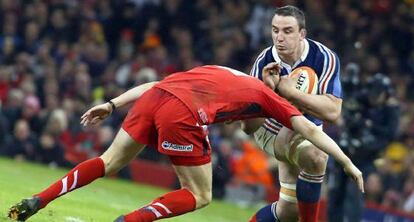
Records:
x=132, y=94
x=325, y=107
x=318, y=138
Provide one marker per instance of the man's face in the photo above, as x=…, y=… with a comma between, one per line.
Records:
x=286, y=34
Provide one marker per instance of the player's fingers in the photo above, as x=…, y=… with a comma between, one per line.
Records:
x=271, y=65
x=357, y=177
x=361, y=183
x=95, y=120
x=85, y=114
x=86, y=121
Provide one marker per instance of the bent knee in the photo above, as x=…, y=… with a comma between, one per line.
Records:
x=314, y=161
x=320, y=158
x=203, y=199
x=112, y=163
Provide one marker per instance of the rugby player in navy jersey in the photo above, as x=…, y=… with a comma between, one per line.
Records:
x=302, y=166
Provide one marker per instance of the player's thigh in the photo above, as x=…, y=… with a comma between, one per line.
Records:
x=281, y=144
x=122, y=150
x=197, y=179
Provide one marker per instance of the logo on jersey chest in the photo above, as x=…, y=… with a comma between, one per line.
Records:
x=176, y=147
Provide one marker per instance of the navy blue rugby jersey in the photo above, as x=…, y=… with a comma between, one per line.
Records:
x=320, y=58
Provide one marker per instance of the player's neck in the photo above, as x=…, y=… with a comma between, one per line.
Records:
x=295, y=56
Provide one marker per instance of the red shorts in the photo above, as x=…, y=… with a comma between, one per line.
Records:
x=161, y=120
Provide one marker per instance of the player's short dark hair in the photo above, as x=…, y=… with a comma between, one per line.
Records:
x=293, y=11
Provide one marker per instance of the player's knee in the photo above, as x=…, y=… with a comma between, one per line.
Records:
x=203, y=199
x=109, y=169
x=112, y=163
x=317, y=162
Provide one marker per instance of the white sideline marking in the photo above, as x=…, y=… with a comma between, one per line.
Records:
x=73, y=219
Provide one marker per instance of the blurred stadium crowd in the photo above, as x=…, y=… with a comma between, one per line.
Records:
x=59, y=57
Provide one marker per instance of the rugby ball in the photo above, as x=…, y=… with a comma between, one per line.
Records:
x=306, y=79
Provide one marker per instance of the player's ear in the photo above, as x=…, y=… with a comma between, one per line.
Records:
x=303, y=33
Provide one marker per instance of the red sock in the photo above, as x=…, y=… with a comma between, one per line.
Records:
x=171, y=204
x=81, y=175
x=308, y=211
x=308, y=190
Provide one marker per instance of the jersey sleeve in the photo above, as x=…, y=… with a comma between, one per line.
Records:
x=261, y=61
x=330, y=80
x=278, y=108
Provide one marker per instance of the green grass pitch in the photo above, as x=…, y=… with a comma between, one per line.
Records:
x=101, y=201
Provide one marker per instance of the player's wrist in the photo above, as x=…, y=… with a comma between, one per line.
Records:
x=112, y=105
x=346, y=162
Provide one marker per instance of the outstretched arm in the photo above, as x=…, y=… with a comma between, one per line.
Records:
x=99, y=112
x=132, y=94
x=312, y=133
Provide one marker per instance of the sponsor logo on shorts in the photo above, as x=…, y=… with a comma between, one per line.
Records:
x=177, y=147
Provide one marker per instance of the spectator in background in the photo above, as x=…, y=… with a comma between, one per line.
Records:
x=13, y=105
x=370, y=123
x=374, y=189
x=221, y=165
x=251, y=176
x=22, y=145
x=50, y=151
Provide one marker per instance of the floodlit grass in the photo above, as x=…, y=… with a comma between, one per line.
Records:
x=104, y=200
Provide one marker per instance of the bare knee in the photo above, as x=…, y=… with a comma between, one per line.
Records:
x=203, y=198
x=122, y=150
x=314, y=161
x=113, y=163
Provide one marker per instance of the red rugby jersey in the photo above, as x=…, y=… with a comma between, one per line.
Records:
x=217, y=94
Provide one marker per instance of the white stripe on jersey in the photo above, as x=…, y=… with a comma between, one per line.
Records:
x=329, y=67
x=329, y=74
x=255, y=71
